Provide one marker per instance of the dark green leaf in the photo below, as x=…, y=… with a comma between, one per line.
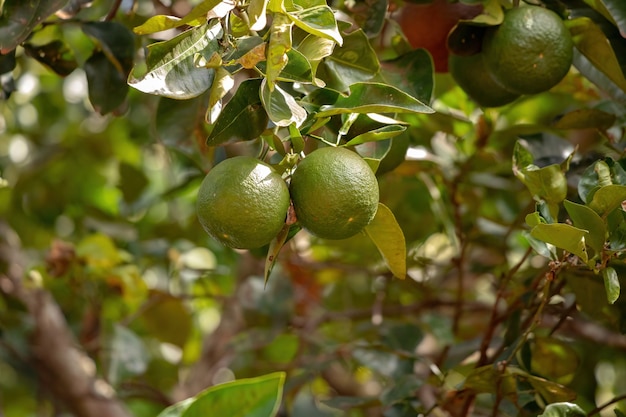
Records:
x=585, y=218
x=413, y=73
x=274, y=249
x=171, y=69
x=354, y=62
x=592, y=43
x=117, y=43
x=243, y=117
x=7, y=62
x=133, y=182
x=19, y=18
x=374, y=98
x=563, y=236
x=389, y=239
x=107, y=85
x=563, y=410
x=611, y=284
x=54, y=55
x=370, y=15
x=613, y=10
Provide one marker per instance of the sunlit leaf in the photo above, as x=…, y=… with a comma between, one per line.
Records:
x=554, y=359
x=389, y=239
x=171, y=70
x=385, y=132
x=551, y=391
x=355, y=61
x=599, y=174
x=318, y=20
x=243, y=117
x=159, y=23
x=592, y=43
x=298, y=68
x=249, y=397
x=279, y=44
x=281, y=106
x=374, y=98
x=257, y=14
x=607, y=199
x=563, y=409
x=585, y=218
x=611, y=284
x=563, y=236
x=19, y=18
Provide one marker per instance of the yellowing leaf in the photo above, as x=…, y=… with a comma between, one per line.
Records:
x=388, y=237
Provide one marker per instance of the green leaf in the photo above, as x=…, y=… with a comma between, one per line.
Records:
x=159, y=23
x=551, y=391
x=611, y=284
x=249, y=397
x=607, y=199
x=563, y=236
x=563, y=410
x=371, y=16
x=354, y=62
x=107, y=85
x=382, y=133
x=547, y=183
x=554, y=359
x=599, y=174
x=167, y=318
x=586, y=119
x=281, y=107
x=413, y=73
x=243, y=117
x=612, y=10
x=388, y=237
x=298, y=68
x=279, y=44
x=18, y=18
x=55, y=55
x=171, y=69
x=488, y=379
x=257, y=14
x=585, y=218
x=274, y=249
x=317, y=20
x=374, y=98
x=592, y=43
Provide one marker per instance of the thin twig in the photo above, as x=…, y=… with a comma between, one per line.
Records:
x=603, y=406
x=113, y=10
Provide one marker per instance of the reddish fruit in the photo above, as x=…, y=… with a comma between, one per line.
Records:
x=428, y=25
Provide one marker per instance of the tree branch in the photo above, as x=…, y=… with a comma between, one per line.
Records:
x=64, y=370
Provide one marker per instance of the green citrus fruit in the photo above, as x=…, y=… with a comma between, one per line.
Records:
x=334, y=193
x=242, y=202
x=530, y=52
x=472, y=76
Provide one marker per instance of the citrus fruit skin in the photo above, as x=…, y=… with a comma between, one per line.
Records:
x=428, y=25
x=242, y=202
x=334, y=192
x=471, y=74
x=530, y=52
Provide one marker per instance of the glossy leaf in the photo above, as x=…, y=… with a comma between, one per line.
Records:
x=249, y=397
x=370, y=16
x=257, y=14
x=279, y=44
x=388, y=237
x=19, y=18
x=385, y=132
x=171, y=70
x=374, y=98
x=413, y=73
x=354, y=62
x=592, y=43
x=607, y=199
x=563, y=409
x=281, y=106
x=243, y=117
x=611, y=284
x=54, y=55
x=222, y=85
x=612, y=10
x=196, y=15
x=298, y=68
x=318, y=20
x=585, y=218
x=563, y=236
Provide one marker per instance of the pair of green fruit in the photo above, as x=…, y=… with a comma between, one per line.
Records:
x=530, y=52
x=243, y=202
